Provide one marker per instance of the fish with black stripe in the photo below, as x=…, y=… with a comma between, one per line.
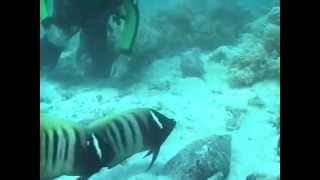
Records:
x=122, y=135
x=66, y=148
x=70, y=149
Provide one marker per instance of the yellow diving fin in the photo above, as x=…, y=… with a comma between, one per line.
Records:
x=43, y=9
x=130, y=28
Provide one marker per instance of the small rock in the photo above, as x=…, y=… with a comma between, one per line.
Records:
x=67, y=95
x=260, y=176
x=45, y=100
x=241, y=77
x=159, y=106
x=275, y=122
x=201, y=159
x=191, y=65
x=160, y=86
x=256, y=101
x=235, y=116
x=74, y=116
x=99, y=98
x=219, y=55
x=216, y=91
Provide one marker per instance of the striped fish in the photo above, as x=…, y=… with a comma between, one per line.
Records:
x=70, y=149
x=122, y=135
x=65, y=149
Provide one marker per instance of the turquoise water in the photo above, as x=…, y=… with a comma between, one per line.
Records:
x=212, y=65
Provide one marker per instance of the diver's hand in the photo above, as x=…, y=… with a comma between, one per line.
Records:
x=120, y=67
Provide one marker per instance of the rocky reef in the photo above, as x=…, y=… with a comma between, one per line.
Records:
x=202, y=159
x=188, y=25
x=256, y=56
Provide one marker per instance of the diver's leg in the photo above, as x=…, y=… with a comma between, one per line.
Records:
x=52, y=44
x=60, y=27
x=94, y=45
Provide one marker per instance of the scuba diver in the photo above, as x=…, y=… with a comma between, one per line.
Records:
x=91, y=19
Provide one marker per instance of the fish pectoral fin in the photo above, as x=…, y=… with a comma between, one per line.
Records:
x=87, y=176
x=154, y=157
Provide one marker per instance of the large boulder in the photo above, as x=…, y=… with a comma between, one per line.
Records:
x=201, y=160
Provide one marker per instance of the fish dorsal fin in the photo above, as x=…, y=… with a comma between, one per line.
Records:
x=156, y=120
x=154, y=157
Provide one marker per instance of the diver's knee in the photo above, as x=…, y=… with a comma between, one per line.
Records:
x=57, y=36
x=51, y=46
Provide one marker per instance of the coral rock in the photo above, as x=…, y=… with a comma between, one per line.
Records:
x=241, y=77
x=236, y=115
x=191, y=65
x=260, y=176
x=202, y=159
x=274, y=15
x=256, y=101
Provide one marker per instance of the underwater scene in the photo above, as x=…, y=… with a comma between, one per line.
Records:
x=159, y=90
